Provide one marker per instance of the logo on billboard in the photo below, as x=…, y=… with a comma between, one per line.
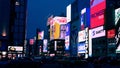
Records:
x=93, y=33
x=98, y=32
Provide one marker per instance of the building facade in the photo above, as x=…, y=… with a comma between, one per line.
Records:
x=13, y=23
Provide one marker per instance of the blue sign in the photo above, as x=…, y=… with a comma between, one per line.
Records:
x=81, y=48
x=67, y=29
x=85, y=18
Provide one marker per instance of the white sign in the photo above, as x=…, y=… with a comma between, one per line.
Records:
x=15, y=48
x=68, y=13
x=97, y=32
x=45, y=45
x=117, y=15
x=81, y=36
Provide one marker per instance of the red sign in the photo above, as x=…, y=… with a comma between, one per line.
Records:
x=60, y=20
x=111, y=33
x=31, y=41
x=97, y=15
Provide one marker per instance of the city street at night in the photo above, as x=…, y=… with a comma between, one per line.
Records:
x=59, y=34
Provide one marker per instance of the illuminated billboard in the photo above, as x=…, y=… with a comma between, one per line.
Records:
x=117, y=37
x=56, y=30
x=15, y=48
x=67, y=29
x=111, y=33
x=51, y=32
x=60, y=20
x=81, y=48
x=49, y=21
x=31, y=41
x=81, y=36
x=41, y=35
x=97, y=32
x=97, y=13
x=68, y=13
x=67, y=37
x=85, y=18
x=117, y=15
x=62, y=31
x=67, y=42
x=45, y=45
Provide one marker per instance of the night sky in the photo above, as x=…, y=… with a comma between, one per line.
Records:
x=39, y=10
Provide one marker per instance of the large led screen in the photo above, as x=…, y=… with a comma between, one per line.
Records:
x=97, y=13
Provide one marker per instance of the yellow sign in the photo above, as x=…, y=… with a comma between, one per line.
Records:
x=56, y=30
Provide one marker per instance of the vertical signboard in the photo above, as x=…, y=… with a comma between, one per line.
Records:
x=62, y=31
x=31, y=42
x=117, y=15
x=67, y=37
x=68, y=13
x=85, y=18
x=117, y=37
x=41, y=35
x=81, y=36
x=51, y=32
x=56, y=31
x=45, y=45
x=117, y=23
